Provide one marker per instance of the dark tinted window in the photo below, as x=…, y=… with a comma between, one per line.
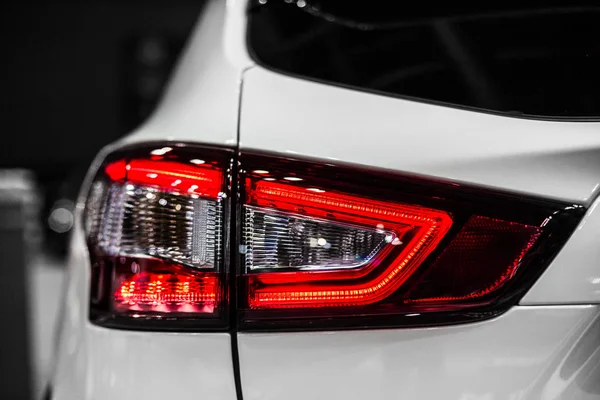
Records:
x=525, y=60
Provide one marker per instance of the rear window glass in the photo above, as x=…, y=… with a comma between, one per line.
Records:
x=526, y=60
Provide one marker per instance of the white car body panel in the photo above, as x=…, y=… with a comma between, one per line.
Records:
x=100, y=363
x=287, y=115
x=528, y=353
x=125, y=365
x=532, y=351
x=201, y=103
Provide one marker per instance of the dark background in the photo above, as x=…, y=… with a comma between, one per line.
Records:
x=77, y=75
x=74, y=77
x=74, y=71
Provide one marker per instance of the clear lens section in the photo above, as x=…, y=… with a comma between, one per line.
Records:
x=274, y=240
x=132, y=220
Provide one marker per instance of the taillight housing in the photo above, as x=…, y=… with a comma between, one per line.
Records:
x=327, y=249
x=156, y=223
x=326, y=246
x=197, y=238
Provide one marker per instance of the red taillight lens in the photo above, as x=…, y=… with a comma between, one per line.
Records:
x=170, y=176
x=324, y=246
x=320, y=246
x=153, y=286
x=155, y=222
x=400, y=238
x=482, y=257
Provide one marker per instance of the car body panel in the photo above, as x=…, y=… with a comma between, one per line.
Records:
x=531, y=351
x=123, y=365
x=527, y=353
x=100, y=363
x=201, y=102
x=287, y=115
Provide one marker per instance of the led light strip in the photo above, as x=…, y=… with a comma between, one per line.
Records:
x=281, y=290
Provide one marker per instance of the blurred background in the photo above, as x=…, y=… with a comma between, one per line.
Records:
x=76, y=75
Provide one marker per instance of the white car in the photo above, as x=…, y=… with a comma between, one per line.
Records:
x=335, y=202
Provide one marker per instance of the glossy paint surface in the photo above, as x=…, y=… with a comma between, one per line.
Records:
x=528, y=353
x=99, y=363
x=201, y=103
x=287, y=115
x=117, y=365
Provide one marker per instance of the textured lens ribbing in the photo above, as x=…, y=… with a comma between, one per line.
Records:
x=136, y=220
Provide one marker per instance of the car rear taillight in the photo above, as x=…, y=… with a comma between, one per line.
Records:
x=315, y=246
x=155, y=225
x=331, y=247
